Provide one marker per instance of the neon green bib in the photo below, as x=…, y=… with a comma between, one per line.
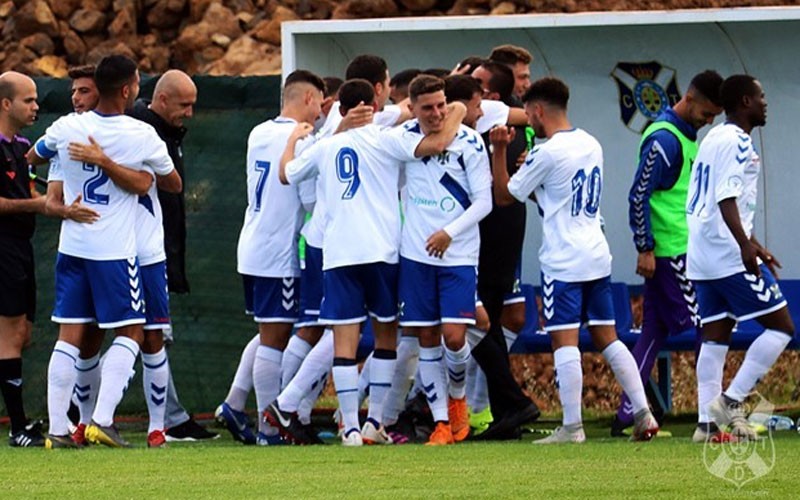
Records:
x=668, y=207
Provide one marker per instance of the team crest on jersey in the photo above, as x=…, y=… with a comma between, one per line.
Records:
x=645, y=90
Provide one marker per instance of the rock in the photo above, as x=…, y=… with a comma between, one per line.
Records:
x=355, y=9
x=222, y=20
x=20, y=59
x=245, y=18
x=197, y=8
x=63, y=9
x=161, y=16
x=35, y=17
x=158, y=58
x=211, y=54
x=74, y=47
x=87, y=21
x=241, y=54
x=6, y=9
x=221, y=40
x=40, y=43
x=269, y=65
x=176, y=5
x=418, y=5
x=50, y=65
x=270, y=30
x=108, y=48
x=504, y=9
x=240, y=5
x=122, y=26
x=193, y=38
x=101, y=5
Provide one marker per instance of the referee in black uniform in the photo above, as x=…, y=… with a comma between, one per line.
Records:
x=19, y=204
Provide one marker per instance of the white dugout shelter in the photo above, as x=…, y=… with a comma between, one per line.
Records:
x=622, y=67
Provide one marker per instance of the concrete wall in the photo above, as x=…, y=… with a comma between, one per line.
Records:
x=584, y=49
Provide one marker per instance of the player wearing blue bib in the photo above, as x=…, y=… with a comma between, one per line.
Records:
x=733, y=273
x=566, y=176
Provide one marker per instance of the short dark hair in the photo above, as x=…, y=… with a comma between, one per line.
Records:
x=355, y=91
x=502, y=80
x=403, y=78
x=437, y=72
x=734, y=88
x=461, y=88
x=367, y=67
x=510, y=55
x=84, y=71
x=472, y=61
x=305, y=76
x=707, y=84
x=332, y=84
x=113, y=73
x=424, y=84
x=548, y=89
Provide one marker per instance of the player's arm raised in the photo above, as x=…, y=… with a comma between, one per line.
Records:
x=134, y=181
x=437, y=142
x=500, y=137
x=300, y=131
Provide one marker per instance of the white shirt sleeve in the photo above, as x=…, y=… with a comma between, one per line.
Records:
x=401, y=143
x=494, y=113
x=481, y=205
x=304, y=167
x=54, y=172
x=530, y=175
x=388, y=116
x=47, y=145
x=158, y=158
x=730, y=171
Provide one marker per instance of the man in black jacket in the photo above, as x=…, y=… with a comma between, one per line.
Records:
x=173, y=101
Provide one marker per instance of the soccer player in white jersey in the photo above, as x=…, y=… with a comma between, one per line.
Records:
x=97, y=272
x=733, y=273
x=445, y=198
x=267, y=253
x=359, y=175
x=566, y=176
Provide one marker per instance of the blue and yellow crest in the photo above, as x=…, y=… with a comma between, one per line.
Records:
x=645, y=89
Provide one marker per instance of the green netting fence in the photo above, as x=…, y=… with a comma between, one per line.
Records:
x=209, y=324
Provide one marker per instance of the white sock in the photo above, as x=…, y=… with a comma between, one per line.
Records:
x=405, y=368
x=116, y=372
x=760, y=357
x=477, y=388
x=510, y=337
x=627, y=373
x=569, y=379
x=155, y=378
x=345, y=379
x=87, y=384
x=61, y=377
x=243, y=380
x=314, y=367
x=434, y=381
x=306, y=405
x=710, y=365
x=296, y=351
x=456, y=362
x=363, y=381
x=266, y=382
x=381, y=375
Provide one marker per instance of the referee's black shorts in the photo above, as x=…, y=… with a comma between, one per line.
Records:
x=17, y=278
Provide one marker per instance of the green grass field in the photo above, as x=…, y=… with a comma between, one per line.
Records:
x=601, y=468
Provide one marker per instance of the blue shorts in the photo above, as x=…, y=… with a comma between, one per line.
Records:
x=350, y=293
x=741, y=296
x=107, y=291
x=431, y=295
x=311, y=291
x=271, y=300
x=515, y=295
x=156, y=295
x=567, y=306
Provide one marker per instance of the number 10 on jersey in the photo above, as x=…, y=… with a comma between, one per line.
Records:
x=586, y=192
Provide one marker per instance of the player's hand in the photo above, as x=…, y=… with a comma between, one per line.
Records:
x=646, y=264
x=482, y=322
x=750, y=258
x=81, y=213
x=91, y=153
x=769, y=259
x=357, y=117
x=460, y=69
x=438, y=243
x=301, y=130
x=502, y=135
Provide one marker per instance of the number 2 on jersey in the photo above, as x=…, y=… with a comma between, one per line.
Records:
x=347, y=171
x=594, y=186
x=90, y=187
x=262, y=167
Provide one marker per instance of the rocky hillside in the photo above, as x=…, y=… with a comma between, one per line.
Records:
x=228, y=37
